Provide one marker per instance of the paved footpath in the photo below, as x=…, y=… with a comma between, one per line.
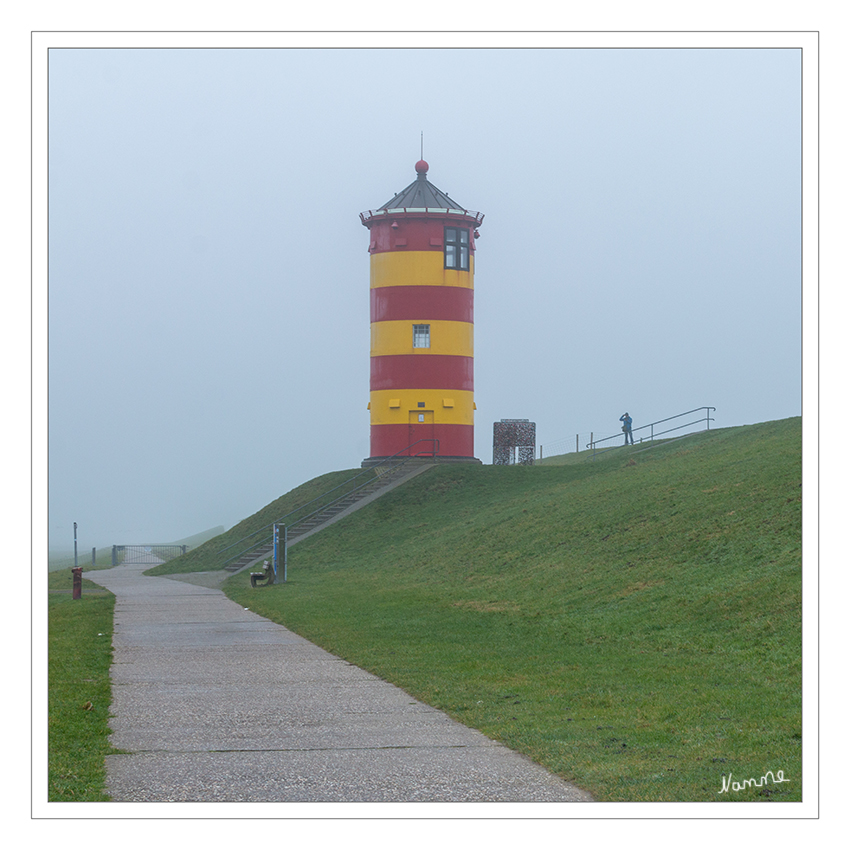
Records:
x=213, y=703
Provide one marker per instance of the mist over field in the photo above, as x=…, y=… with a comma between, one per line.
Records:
x=209, y=275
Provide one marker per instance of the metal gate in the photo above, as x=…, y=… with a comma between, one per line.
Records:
x=152, y=553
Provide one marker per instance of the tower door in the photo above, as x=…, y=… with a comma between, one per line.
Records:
x=421, y=428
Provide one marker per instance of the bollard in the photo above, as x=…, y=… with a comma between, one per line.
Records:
x=78, y=582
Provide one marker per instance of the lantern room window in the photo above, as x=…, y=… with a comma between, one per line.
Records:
x=422, y=336
x=456, y=246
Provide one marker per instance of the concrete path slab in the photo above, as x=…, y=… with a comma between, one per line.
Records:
x=213, y=703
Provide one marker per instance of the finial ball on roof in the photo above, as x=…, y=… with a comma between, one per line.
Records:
x=421, y=167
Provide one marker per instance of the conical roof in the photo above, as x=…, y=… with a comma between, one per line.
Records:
x=421, y=198
x=421, y=193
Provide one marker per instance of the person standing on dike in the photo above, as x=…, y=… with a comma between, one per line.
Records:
x=627, y=428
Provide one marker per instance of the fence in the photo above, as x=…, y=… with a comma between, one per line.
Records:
x=651, y=432
x=112, y=556
x=567, y=445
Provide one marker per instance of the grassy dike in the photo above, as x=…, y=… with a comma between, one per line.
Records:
x=79, y=689
x=213, y=553
x=632, y=623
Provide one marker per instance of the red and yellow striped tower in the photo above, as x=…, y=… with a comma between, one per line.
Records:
x=422, y=246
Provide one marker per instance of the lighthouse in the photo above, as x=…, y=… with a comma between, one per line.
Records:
x=422, y=263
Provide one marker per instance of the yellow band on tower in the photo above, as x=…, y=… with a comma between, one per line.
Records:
x=395, y=407
x=416, y=268
x=445, y=338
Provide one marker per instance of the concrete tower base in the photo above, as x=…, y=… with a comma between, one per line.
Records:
x=416, y=461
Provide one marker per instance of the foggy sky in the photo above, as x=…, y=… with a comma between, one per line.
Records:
x=209, y=274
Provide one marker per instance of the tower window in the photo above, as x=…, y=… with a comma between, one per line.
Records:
x=422, y=336
x=456, y=244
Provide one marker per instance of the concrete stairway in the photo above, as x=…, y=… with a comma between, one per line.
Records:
x=385, y=480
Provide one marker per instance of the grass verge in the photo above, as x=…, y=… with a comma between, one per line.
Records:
x=633, y=624
x=79, y=689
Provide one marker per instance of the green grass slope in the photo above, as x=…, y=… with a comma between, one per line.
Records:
x=197, y=539
x=79, y=689
x=633, y=623
x=214, y=553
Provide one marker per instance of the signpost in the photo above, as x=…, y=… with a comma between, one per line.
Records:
x=279, y=541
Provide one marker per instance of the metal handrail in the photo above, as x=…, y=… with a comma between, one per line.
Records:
x=367, y=483
x=256, y=536
x=295, y=510
x=401, y=463
x=652, y=434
